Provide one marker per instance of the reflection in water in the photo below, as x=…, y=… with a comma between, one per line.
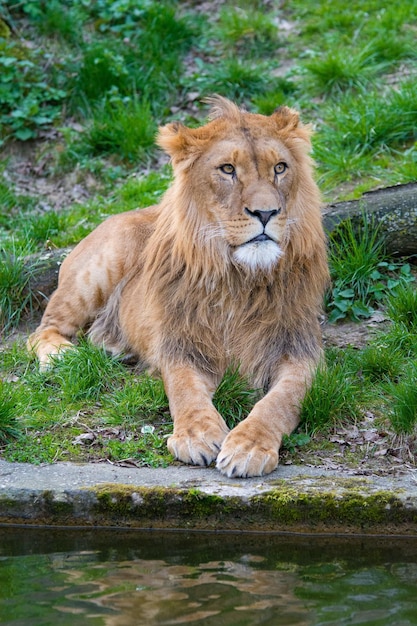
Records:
x=178, y=594
x=115, y=579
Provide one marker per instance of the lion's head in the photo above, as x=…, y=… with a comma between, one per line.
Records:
x=248, y=180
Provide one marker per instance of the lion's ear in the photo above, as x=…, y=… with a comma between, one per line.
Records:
x=180, y=142
x=286, y=117
x=288, y=121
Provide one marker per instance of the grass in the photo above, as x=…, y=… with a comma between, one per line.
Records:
x=361, y=274
x=16, y=298
x=402, y=307
x=10, y=427
x=403, y=394
x=91, y=87
x=234, y=398
x=337, y=72
x=123, y=127
x=249, y=32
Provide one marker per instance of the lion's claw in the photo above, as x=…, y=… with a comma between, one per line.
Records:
x=245, y=458
x=198, y=445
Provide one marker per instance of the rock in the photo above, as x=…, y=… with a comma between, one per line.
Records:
x=43, y=269
x=394, y=210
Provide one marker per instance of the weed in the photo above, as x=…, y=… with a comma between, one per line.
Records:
x=139, y=400
x=402, y=306
x=9, y=413
x=234, y=398
x=15, y=295
x=234, y=77
x=399, y=337
x=102, y=69
x=148, y=450
x=85, y=372
x=403, y=414
x=281, y=93
x=55, y=19
x=249, y=32
x=378, y=362
x=123, y=127
x=372, y=123
x=143, y=191
x=361, y=275
x=29, y=100
x=294, y=441
x=337, y=71
x=332, y=398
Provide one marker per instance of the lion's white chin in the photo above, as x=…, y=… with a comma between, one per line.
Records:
x=258, y=255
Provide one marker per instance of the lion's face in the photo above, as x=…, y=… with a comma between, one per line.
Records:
x=248, y=186
x=242, y=170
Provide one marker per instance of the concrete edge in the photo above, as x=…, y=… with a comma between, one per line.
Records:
x=292, y=499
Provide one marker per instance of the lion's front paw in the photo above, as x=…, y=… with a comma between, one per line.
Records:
x=198, y=443
x=244, y=456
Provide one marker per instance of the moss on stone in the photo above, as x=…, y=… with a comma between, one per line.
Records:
x=352, y=508
x=299, y=505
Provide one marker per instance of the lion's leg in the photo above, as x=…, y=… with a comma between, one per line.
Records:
x=251, y=448
x=199, y=429
x=65, y=315
x=86, y=281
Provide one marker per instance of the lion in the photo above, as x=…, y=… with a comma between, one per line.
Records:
x=229, y=268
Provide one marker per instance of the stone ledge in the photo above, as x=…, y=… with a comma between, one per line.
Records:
x=291, y=499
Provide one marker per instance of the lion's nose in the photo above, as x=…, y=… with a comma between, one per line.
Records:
x=263, y=216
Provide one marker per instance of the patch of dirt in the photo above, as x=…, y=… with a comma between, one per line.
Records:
x=353, y=334
x=29, y=170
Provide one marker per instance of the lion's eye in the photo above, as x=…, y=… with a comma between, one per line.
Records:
x=280, y=167
x=227, y=168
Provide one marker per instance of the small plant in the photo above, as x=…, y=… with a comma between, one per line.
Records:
x=29, y=99
x=332, y=398
x=294, y=441
x=15, y=294
x=233, y=77
x=234, y=398
x=138, y=400
x=399, y=337
x=249, y=32
x=372, y=124
x=337, y=71
x=402, y=306
x=280, y=92
x=361, y=275
x=9, y=413
x=84, y=372
x=124, y=127
x=144, y=190
x=403, y=414
x=379, y=362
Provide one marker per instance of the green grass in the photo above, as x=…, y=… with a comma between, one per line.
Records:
x=332, y=399
x=10, y=427
x=403, y=394
x=123, y=127
x=402, y=307
x=234, y=398
x=85, y=373
x=362, y=276
x=249, y=32
x=337, y=72
x=16, y=298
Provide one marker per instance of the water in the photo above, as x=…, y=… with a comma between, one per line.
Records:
x=113, y=578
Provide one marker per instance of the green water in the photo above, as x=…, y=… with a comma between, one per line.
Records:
x=129, y=579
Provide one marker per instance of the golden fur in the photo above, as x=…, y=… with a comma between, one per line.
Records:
x=229, y=268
